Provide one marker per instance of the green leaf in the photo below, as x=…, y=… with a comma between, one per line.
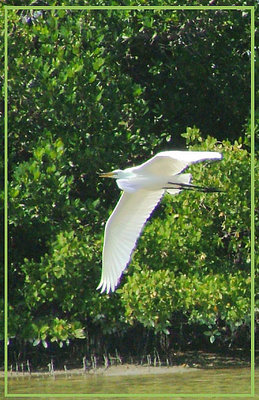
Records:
x=98, y=63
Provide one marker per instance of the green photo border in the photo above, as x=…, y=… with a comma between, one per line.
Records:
x=190, y=395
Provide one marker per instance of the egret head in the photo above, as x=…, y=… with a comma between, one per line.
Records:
x=116, y=174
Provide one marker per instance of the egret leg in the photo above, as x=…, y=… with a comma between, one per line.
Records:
x=189, y=186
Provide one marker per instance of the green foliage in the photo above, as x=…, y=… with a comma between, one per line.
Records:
x=195, y=256
x=151, y=298
x=91, y=91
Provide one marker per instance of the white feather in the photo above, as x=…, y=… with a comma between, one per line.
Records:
x=143, y=187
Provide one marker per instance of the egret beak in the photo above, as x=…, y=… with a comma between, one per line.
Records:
x=107, y=175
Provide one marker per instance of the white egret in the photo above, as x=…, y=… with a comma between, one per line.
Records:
x=143, y=187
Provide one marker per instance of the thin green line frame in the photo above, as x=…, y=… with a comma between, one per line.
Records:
x=6, y=203
x=126, y=395
x=139, y=8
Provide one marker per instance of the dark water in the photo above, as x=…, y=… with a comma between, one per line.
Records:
x=195, y=383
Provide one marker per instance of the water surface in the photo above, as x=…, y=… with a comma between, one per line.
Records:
x=203, y=381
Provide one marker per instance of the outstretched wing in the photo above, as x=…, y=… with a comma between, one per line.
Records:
x=122, y=231
x=174, y=162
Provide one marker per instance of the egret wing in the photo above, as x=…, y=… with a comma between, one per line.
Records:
x=173, y=162
x=122, y=231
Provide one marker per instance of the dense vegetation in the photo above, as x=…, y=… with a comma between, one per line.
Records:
x=94, y=90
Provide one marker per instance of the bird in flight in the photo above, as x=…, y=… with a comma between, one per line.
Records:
x=142, y=188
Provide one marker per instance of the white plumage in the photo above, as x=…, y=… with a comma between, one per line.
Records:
x=143, y=187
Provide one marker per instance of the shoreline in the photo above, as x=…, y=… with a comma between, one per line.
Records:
x=113, y=370
x=182, y=362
